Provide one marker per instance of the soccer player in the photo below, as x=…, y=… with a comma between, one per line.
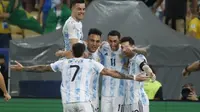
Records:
x=112, y=94
x=93, y=43
x=112, y=57
x=77, y=78
x=2, y=82
x=72, y=29
x=136, y=99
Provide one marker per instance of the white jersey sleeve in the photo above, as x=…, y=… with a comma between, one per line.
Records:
x=140, y=59
x=69, y=31
x=57, y=66
x=98, y=66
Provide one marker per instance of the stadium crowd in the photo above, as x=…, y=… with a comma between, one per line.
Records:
x=117, y=57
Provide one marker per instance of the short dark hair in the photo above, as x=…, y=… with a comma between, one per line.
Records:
x=74, y=2
x=78, y=49
x=95, y=31
x=2, y=56
x=114, y=33
x=128, y=39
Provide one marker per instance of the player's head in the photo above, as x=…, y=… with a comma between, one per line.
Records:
x=78, y=9
x=78, y=50
x=114, y=39
x=126, y=43
x=2, y=59
x=94, y=39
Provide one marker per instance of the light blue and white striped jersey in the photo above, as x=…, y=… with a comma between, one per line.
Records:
x=95, y=56
x=113, y=60
x=134, y=89
x=72, y=29
x=78, y=79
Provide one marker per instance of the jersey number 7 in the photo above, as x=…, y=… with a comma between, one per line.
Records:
x=76, y=71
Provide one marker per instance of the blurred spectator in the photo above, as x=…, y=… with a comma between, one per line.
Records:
x=175, y=12
x=29, y=5
x=153, y=89
x=44, y=7
x=5, y=34
x=188, y=92
x=160, y=11
x=194, y=26
x=153, y=4
x=57, y=16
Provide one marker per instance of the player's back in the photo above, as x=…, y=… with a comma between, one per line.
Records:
x=78, y=77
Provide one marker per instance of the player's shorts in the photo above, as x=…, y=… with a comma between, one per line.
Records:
x=78, y=107
x=136, y=107
x=111, y=104
x=95, y=105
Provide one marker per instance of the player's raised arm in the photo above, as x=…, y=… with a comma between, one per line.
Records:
x=116, y=74
x=36, y=68
x=62, y=53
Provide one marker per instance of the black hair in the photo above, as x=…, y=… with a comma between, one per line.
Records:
x=114, y=33
x=95, y=31
x=78, y=49
x=74, y=2
x=127, y=39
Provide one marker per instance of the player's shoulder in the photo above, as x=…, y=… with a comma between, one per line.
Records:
x=105, y=47
x=69, y=22
x=140, y=56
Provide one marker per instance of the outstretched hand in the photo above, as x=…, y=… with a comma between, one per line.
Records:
x=185, y=73
x=141, y=77
x=17, y=67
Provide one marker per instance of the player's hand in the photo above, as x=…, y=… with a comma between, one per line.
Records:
x=17, y=67
x=59, y=53
x=86, y=54
x=153, y=77
x=7, y=97
x=141, y=77
x=185, y=73
x=103, y=43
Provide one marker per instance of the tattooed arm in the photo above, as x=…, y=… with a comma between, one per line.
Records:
x=38, y=68
x=116, y=74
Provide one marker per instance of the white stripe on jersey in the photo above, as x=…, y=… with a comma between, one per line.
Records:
x=113, y=60
x=72, y=29
x=135, y=86
x=77, y=78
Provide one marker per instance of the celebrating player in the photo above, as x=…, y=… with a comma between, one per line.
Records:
x=136, y=99
x=78, y=76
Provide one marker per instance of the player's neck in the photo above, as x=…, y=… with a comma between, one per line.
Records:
x=75, y=18
x=90, y=50
x=132, y=55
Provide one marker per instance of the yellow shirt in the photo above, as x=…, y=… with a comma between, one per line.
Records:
x=194, y=26
x=151, y=88
x=3, y=29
